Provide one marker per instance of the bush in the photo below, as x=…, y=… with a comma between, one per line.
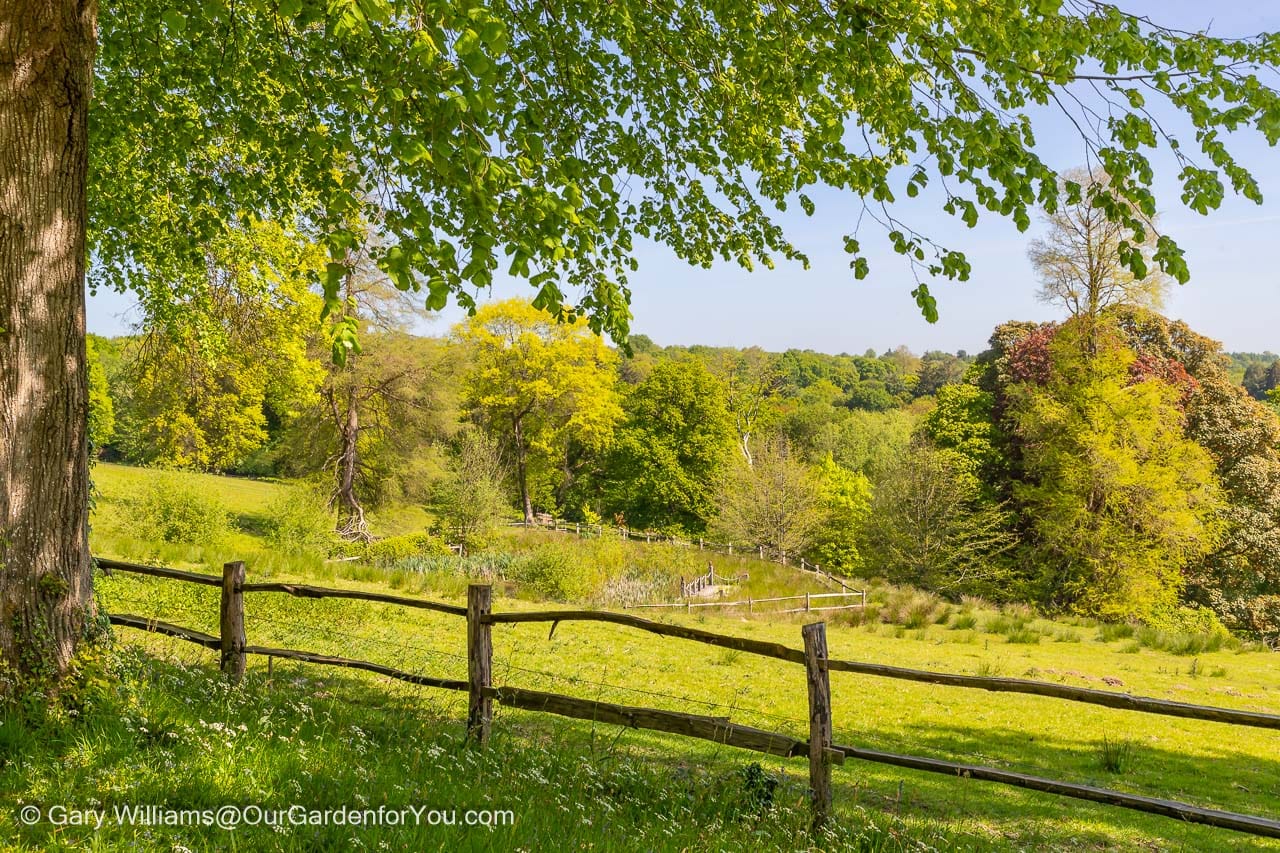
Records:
x=174, y=510
x=558, y=573
x=298, y=520
x=395, y=549
x=913, y=609
x=1187, y=620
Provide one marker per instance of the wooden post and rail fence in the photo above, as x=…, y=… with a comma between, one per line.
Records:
x=761, y=552
x=820, y=748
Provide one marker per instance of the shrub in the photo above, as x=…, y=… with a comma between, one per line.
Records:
x=298, y=520
x=174, y=510
x=913, y=609
x=394, y=549
x=1187, y=620
x=558, y=573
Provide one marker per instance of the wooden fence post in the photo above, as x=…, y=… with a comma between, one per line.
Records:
x=231, y=620
x=479, y=662
x=820, y=751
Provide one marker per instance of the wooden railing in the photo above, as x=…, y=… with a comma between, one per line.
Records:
x=760, y=552
x=820, y=748
x=698, y=584
x=750, y=603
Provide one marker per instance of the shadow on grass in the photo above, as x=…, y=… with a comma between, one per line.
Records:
x=1218, y=776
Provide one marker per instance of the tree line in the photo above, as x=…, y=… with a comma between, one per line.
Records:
x=1106, y=465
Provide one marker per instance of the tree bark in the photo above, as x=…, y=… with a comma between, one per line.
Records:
x=46, y=61
x=351, y=522
x=522, y=469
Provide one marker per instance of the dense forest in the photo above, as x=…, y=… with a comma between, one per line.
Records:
x=1117, y=465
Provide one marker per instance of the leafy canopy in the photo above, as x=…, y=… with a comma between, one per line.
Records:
x=539, y=387
x=541, y=139
x=667, y=457
x=1119, y=500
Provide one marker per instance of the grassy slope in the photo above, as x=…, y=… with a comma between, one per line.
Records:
x=1203, y=763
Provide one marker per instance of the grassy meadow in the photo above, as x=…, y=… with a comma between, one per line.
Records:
x=159, y=725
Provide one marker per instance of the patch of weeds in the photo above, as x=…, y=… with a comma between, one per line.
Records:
x=988, y=669
x=1116, y=756
x=1111, y=631
x=964, y=622
x=758, y=787
x=1179, y=643
x=1023, y=636
x=728, y=657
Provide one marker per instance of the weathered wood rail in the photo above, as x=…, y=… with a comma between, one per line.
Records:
x=820, y=747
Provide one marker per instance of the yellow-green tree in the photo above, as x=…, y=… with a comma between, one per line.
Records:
x=846, y=500
x=214, y=365
x=102, y=417
x=541, y=387
x=1119, y=501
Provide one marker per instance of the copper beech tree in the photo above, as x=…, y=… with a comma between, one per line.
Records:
x=536, y=138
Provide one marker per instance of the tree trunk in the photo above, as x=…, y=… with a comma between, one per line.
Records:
x=351, y=522
x=46, y=59
x=522, y=470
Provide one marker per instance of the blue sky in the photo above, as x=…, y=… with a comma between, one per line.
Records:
x=1233, y=295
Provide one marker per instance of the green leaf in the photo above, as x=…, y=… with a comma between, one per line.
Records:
x=174, y=21
x=927, y=304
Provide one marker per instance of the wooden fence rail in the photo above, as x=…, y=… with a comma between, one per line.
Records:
x=750, y=603
x=820, y=748
x=649, y=537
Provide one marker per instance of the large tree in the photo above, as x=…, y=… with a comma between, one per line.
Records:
x=1085, y=260
x=1120, y=503
x=213, y=372
x=540, y=388
x=668, y=455
x=543, y=137
x=776, y=502
x=930, y=525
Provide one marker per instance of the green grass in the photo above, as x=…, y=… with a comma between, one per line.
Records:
x=674, y=793
x=173, y=734
x=1181, y=759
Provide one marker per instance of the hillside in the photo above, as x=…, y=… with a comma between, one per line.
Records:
x=395, y=744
